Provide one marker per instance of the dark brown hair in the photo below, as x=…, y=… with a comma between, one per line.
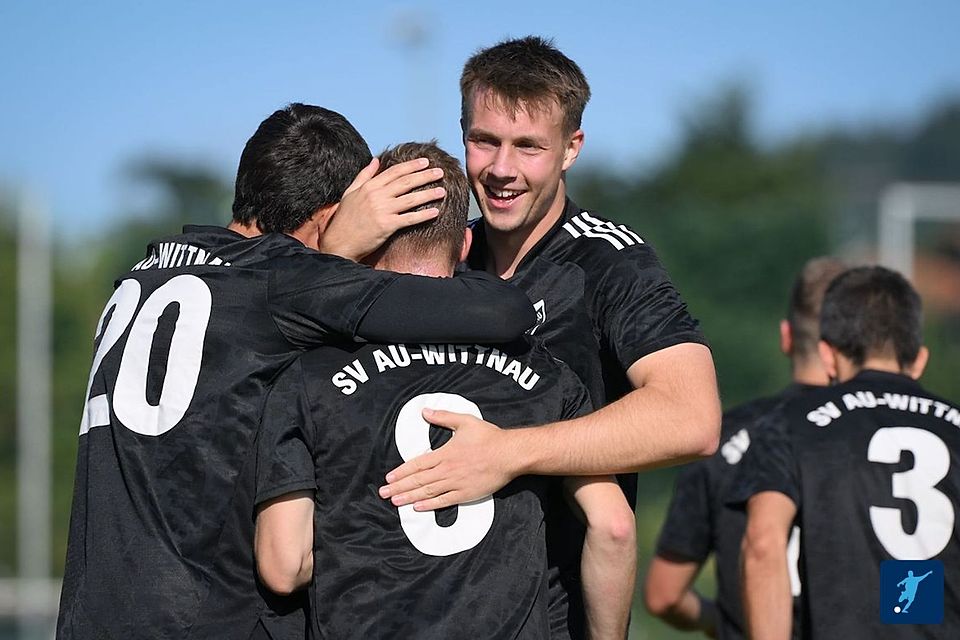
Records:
x=528, y=73
x=872, y=311
x=301, y=158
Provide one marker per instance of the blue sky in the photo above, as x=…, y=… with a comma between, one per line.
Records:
x=89, y=87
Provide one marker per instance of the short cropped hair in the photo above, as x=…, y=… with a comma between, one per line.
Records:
x=528, y=73
x=872, y=312
x=300, y=159
x=444, y=232
x=806, y=299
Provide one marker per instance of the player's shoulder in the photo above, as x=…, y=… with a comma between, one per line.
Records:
x=212, y=246
x=747, y=414
x=873, y=390
x=761, y=411
x=741, y=423
x=596, y=242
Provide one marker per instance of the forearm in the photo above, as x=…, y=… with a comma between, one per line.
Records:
x=669, y=595
x=645, y=429
x=609, y=559
x=692, y=612
x=607, y=572
x=472, y=307
x=768, y=604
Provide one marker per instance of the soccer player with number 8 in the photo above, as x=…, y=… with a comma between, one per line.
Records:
x=339, y=418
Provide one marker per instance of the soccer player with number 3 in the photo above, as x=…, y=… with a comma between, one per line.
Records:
x=161, y=530
x=868, y=468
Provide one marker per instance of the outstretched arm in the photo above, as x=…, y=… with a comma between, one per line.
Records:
x=324, y=295
x=470, y=307
x=608, y=565
x=673, y=415
x=467, y=308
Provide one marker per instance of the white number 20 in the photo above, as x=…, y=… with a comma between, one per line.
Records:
x=474, y=519
x=935, y=515
x=183, y=366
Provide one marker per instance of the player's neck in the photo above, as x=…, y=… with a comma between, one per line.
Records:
x=506, y=250
x=419, y=266
x=809, y=371
x=249, y=230
x=846, y=370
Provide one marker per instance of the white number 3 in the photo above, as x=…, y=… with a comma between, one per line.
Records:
x=474, y=519
x=935, y=515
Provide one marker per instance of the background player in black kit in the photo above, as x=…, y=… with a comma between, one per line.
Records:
x=340, y=417
x=698, y=520
x=868, y=467
x=161, y=528
x=605, y=305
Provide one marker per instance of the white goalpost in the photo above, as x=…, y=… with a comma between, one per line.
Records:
x=902, y=205
x=32, y=596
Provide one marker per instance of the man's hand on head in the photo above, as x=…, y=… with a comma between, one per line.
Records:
x=374, y=207
x=477, y=461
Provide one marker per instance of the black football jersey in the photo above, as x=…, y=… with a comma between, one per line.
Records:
x=340, y=418
x=698, y=520
x=161, y=529
x=603, y=301
x=873, y=466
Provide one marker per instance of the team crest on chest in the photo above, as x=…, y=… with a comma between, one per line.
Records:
x=541, y=310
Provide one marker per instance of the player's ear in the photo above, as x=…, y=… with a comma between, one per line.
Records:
x=467, y=241
x=915, y=368
x=829, y=358
x=786, y=338
x=321, y=219
x=574, y=144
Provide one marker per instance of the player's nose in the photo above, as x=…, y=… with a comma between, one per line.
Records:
x=502, y=165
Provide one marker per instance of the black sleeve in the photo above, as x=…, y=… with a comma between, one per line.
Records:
x=472, y=307
x=769, y=464
x=284, y=461
x=639, y=311
x=315, y=297
x=686, y=531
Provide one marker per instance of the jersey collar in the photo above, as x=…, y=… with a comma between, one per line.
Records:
x=796, y=389
x=873, y=375
x=478, y=250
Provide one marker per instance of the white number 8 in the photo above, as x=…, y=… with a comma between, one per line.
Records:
x=474, y=519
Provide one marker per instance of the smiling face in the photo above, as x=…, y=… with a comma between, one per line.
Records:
x=516, y=161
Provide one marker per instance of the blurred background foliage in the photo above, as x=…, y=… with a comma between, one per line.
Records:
x=732, y=219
